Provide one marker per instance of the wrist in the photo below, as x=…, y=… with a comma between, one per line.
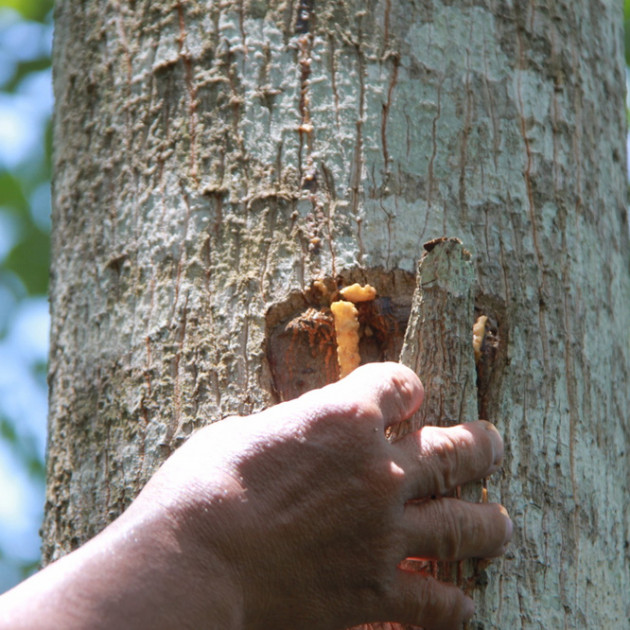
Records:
x=141, y=571
x=173, y=576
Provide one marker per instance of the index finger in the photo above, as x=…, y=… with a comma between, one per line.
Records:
x=389, y=390
x=438, y=459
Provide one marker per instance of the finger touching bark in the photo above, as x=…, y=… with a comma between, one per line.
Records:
x=451, y=529
x=420, y=600
x=439, y=459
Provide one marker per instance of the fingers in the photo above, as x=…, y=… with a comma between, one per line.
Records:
x=450, y=529
x=420, y=600
x=395, y=389
x=438, y=459
x=390, y=392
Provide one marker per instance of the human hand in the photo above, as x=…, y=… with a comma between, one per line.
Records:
x=309, y=510
x=296, y=517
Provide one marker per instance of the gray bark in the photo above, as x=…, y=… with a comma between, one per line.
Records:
x=222, y=168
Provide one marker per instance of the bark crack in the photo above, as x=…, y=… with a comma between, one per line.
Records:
x=527, y=174
x=465, y=135
x=177, y=388
x=434, y=149
x=124, y=43
x=332, y=203
x=395, y=57
x=306, y=129
x=191, y=89
x=386, y=20
x=333, y=79
x=357, y=161
x=182, y=251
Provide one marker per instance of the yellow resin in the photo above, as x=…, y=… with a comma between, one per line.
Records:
x=346, y=319
x=357, y=293
x=479, y=332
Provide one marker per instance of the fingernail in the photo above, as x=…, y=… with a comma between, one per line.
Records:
x=469, y=608
x=509, y=529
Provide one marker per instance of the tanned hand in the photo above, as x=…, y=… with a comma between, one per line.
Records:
x=296, y=517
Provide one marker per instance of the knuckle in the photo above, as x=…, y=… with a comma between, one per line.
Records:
x=450, y=521
x=376, y=591
x=445, y=460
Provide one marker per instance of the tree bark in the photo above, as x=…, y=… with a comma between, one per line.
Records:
x=222, y=169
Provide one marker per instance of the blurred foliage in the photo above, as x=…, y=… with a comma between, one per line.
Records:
x=37, y=10
x=29, y=256
x=25, y=28
x=24, y=447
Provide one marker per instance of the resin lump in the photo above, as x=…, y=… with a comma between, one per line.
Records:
x=346, y=319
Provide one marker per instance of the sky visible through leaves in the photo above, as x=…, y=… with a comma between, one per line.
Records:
x=25, y=109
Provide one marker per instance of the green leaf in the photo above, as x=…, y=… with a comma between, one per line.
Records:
x=7, y=431
x=11, y=193
x=24, y=448
x=36, y=468
x=30, y=260
x=23, y=69
x=29, y=9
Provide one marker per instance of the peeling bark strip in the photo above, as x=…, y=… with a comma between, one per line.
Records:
x=438, y=341
x=438, y=347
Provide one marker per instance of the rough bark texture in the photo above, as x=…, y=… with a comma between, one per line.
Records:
x=438, y=339
x=213, y=160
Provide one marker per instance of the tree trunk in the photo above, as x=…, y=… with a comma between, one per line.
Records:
x=223, y=168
